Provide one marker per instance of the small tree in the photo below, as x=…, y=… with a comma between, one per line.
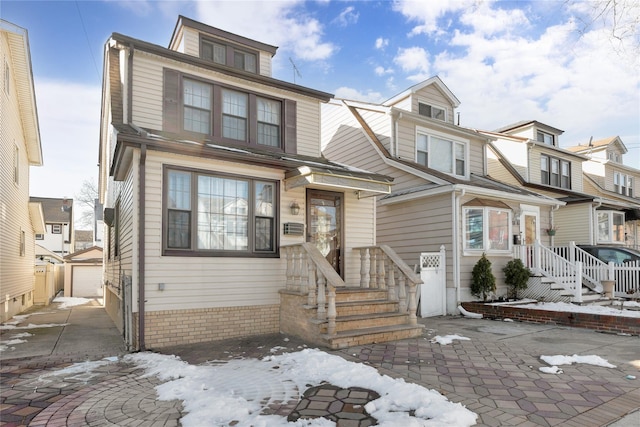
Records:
x=516, y=275
x=483, y=281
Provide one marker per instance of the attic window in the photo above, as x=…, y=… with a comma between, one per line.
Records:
x=230, y=55
x=545, y=138
x=431, y=111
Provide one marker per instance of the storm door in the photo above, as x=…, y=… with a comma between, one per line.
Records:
x=325, y=225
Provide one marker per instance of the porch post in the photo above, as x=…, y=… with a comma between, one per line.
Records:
x=536, y=256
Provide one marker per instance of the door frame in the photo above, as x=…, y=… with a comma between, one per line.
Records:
x=531, y=211
x=317, y=193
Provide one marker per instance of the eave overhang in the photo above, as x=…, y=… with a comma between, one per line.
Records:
x=37, y=217
x=305, y=176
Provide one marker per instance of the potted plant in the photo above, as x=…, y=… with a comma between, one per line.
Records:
x=551, y=231
x=516, y=275
x=482, y=279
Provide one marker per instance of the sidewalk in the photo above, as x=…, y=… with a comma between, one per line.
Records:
x=495, y=374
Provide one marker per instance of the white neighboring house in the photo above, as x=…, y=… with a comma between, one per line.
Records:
x=20, y=147
x=59, y=234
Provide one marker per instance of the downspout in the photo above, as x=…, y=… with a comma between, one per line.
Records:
x=593, y=239
x=553, y=209
x=141, y=246
x=456, y=249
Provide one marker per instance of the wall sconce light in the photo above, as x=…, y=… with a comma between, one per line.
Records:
x=295, y=208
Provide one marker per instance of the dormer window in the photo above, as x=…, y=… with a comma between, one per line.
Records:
x=431, y=111
x=228, y=54
x=545, y=138
x=614, y=157
x=442, y=154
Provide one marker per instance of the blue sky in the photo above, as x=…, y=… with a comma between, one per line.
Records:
x=506, y=61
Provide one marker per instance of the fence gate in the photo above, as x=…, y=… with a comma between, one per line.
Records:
x=433, y=292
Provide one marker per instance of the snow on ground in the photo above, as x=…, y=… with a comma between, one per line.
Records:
x=568, y=360
x=447, y=339
x=68, y=302
x=595, y=309
x=216, y=394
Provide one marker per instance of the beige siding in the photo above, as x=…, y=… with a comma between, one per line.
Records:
x=574, y=223
x=359, y=231
x=191, y=41
x=476, y=157
x=380, y=124
x=431, y=95
x=499, y=172
x=417, y=226
x=406, y=140
x=16, y=271
x=265, y=64
x=147, y=95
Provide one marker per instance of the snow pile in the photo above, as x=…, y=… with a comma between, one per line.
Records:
x=68, y=302
x=593, y=309
x=219, y=395
x=447, y=339
x=568, y=360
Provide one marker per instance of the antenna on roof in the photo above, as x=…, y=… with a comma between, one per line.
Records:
x=295, y=70
x=591, y=141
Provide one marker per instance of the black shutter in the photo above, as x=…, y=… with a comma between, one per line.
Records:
x=171, y=101
x=290, y=124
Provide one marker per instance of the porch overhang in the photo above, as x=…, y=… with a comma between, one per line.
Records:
x=306, y=176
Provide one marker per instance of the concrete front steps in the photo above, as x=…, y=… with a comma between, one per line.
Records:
x=363, y=316
x=543, y=288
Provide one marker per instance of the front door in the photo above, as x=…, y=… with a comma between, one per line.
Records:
x=324, y=225
x=529, y=229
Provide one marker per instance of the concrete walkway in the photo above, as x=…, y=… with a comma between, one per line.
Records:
x=494, y=374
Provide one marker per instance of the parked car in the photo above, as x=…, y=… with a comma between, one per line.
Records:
x=617, y=254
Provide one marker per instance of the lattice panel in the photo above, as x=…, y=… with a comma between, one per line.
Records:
x=430, y=261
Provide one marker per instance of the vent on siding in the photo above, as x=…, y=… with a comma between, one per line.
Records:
x=293, y=229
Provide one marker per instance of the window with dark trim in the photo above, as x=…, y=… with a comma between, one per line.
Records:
x=219, y=215
x=226, y=114
x=229, y=54
x=555, y=172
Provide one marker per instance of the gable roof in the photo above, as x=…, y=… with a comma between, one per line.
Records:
x=55, y=210
x=525, y=123
x=598, y=145
x=20, y=53
x=436, y=81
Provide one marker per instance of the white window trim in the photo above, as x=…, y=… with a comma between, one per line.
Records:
x=485, y=234
x=610, y=215
x=465, y=142
x=433, y=104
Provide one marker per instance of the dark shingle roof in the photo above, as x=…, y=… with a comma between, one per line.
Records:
x=55, y=210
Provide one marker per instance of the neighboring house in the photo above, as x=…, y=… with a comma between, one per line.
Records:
x=528, y=154
x=59, y=234
x=442, y=194
x=83, y=273
x=217, y=197
x=83, y=240
x=605, y=175
x=20, y=148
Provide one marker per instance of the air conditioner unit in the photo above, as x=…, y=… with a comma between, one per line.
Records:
x=293, y=229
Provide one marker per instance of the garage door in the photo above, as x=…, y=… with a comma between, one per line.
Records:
x=86, y=281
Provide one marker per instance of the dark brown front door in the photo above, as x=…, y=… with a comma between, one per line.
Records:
x=324, y=225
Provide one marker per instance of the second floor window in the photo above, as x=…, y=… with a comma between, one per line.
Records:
x=441, y=154
x=623, y=184
x=555, y=172
x=227, y=54
x=197, y=98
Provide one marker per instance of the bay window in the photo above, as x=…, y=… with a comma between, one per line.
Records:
x=441, y=154
x=487, y=229
x=219, y=215
x=610, y=227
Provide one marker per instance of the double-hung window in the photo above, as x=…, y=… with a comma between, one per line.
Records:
x=487, y=229
x=623, y=184
x=555, y=172
x=441, y=154
x=545, y=138
x=234, y=114
x=610, y=227
x=228, y=54
x=197, y=98
x=219, y=215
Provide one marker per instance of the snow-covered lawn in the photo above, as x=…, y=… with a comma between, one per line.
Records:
x=594, y=309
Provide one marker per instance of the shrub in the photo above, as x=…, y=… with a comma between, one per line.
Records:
x=516, y=275
x=482, y=279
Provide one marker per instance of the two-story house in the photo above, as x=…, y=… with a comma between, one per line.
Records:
x=220, y=208
x=528, y=154
x=20, y=148
x=442, y=194
x=59, y=233
x=606, y=176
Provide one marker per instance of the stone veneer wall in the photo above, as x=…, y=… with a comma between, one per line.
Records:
x=177, y=327
x=297, y=320
x=597, y=322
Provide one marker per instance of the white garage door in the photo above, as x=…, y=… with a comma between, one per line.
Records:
x=87, y=281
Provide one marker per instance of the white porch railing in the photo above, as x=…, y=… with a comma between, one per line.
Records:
x=627, y=278
x=543, y=261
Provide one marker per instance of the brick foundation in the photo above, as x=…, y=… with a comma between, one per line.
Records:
x=597, y=322
x=178, y=327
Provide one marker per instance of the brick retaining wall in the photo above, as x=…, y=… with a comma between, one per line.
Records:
x=597, y=322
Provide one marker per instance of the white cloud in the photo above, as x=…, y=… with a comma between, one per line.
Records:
x=381, y=43
x=381, y=71
x=355, y=95
x=69, y=116
x=282, y=23
x=428, y=13
x=347, y=16
x=414, y=60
